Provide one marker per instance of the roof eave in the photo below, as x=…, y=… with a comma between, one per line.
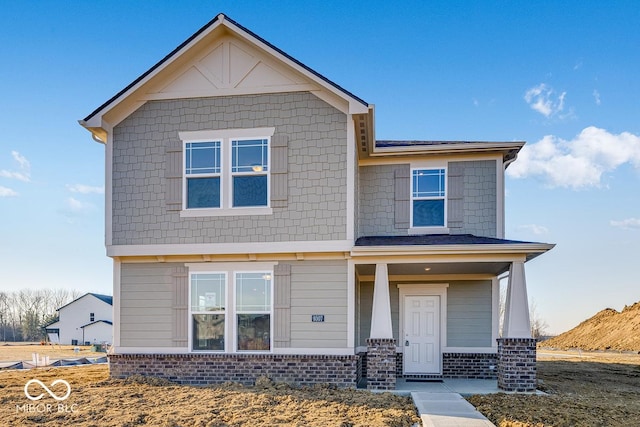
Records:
x=93, y=122
x=508, y=149
x=531, y=250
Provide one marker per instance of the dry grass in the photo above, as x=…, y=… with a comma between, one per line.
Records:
x=584, y=389
x=10, y=352
x=100, y=401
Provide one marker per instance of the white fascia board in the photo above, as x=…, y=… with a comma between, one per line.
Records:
x=515, y=248
x=447, y=148
x=96, y=120
x=230, y=248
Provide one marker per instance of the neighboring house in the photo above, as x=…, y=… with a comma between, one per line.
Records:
x=84, y=321
x=258, y=228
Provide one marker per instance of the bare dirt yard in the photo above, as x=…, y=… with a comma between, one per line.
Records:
x=96, y=400
x=12, y=352
x=584, y=389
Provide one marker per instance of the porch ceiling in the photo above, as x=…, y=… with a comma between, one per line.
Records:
x=438, y=269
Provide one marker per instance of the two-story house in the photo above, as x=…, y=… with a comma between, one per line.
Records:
x=258, y=228
x=84, y=321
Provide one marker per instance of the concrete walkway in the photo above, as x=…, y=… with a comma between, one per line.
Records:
x=440, y=404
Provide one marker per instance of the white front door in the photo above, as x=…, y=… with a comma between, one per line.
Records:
x=421, y=335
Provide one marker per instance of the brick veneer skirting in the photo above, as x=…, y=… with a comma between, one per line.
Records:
x=381, y=364
x=517, y=364
x=478, y=366
x=205, y=369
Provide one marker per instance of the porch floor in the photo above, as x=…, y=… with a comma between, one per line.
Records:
x=448, y=385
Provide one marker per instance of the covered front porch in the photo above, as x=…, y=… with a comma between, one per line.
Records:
x=428, y=308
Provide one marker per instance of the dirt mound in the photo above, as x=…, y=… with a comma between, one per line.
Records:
x=607, y=330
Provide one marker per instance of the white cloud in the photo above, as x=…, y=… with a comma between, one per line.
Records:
x=78, y=207
x=534, y=228
x=85, y=189
x=629, y=223
x=596, y=96
x=542, y=99
x=24, y=174
x=577, y=163
x=7, y=192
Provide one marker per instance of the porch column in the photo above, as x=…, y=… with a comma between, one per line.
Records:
x=516, y=311
x=381, y=311
x=381, y=347
x=516, y=348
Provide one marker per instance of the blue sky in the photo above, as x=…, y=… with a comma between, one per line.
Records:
x=562, y=76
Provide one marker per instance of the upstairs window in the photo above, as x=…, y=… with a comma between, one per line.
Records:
x=428, y=194
x=92, y=317
x=202, y=170
x=226, y=172
x=249, y=171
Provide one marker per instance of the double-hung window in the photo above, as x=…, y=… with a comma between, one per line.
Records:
x=226, y=172
x=202, y=172
x=249, y=171
x=231, y=311
x=428, y=197
x=208, y=303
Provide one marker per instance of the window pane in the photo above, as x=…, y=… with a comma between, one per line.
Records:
x=249, y=156
x=208, y=292
x=208, y=332
x=254, y=332
x=428, y=213
x=203, y=192
x=253, y=291
x=250, y=190
x=428, y=183
x=202, y=157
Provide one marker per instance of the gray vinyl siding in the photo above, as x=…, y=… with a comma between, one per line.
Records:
x=146, y=305
x=312, y=206
x=472, y=198
x=319, y=287
x=469, y=314
x=472, y=192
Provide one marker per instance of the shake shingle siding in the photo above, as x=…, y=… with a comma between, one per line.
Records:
x=317, y=170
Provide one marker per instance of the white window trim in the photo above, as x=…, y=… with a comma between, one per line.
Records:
x=236, y=312
x=230, y=325
x=226, y=311
x=226, y=177
x=437, y=229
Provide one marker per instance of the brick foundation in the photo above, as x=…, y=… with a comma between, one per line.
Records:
x=205, y=369
x=381, y=364
x=517, y=364
x=477, y=366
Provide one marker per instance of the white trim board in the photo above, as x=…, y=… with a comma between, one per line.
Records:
x=230, y=248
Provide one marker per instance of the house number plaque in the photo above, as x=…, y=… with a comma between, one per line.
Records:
x=317, y=317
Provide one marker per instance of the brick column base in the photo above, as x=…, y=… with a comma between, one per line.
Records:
x=381, y=364
x=517, y=364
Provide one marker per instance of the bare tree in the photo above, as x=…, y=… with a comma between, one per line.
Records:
x=23, y=314
x=538, y=325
